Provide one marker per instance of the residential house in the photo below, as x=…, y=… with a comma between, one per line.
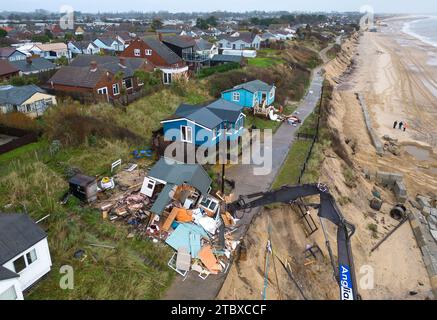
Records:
x=205, y=48
x=24, y=255
x=239, y=43
x=51, y=51
x=11, y=54
x=205, y=125
x=169, y=179
x=99, y=75
x=7, y=70
x=33, y=65
x=251, y=94
x=29, y=99
x=159, y=55
x=82, y=47
x=109, y=44
x=124, y=37
x=194, y=53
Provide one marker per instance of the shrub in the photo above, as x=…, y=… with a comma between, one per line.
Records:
x=206, y=72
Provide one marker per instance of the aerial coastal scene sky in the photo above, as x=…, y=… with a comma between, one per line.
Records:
x=385, y=6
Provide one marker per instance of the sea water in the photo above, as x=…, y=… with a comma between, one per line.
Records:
x=425, y=29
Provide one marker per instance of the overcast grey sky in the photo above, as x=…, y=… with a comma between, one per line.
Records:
x=380, y=6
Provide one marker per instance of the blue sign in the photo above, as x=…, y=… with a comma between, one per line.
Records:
x=346, y=291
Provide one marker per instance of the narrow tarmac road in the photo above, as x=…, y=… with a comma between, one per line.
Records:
x=193, y=287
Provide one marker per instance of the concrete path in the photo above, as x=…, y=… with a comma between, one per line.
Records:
x=194, y=288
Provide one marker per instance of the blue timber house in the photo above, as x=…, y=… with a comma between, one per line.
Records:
x=205, y=125
x=251, y=94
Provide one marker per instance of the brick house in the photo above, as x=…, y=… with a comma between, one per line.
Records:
x=98, y=75
x=158, y=54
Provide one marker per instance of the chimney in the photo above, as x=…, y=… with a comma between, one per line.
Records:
x=93, y=66
x=29, y=60
x=160, y=36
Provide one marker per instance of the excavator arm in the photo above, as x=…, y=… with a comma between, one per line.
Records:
x=344, y=272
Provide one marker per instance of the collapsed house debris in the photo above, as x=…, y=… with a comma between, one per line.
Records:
x=170, y=203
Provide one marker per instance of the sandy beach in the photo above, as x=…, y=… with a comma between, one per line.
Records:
x=397, y=75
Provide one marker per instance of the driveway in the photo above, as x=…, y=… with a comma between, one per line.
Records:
x=194, y=288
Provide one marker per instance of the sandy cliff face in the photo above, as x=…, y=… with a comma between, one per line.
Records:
x=397, y=265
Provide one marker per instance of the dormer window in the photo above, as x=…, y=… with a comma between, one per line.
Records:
x=137, y=52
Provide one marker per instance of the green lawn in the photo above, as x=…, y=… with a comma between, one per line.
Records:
x=8, y=156
x=263, y=62
x=290, y=171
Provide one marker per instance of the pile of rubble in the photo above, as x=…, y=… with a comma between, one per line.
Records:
x=428, y=207
x=391, y=145
x=200, y=233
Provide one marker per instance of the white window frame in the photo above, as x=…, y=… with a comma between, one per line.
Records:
x=272, y=93
x=115, y=85
x=148, y=52
x=236, y=96
x=29, y=253
x=187, y=129
x=100, y=90
x=167, y=77
x=137, y=52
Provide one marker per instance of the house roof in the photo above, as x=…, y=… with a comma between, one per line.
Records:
x=177, y=173
x=37, y=64
x=244, y=36
x=202, y=44
x=109, y=63
x=7, y=68
x=209, y=115
x=52, y=46
x=17, y=95
x=108, y=41
x=253, y=86
x=6, y=274
x=174, y=174
x=7, y=52
x=179, y=41
x=226, y=58
x=77, y=76
x=162, y=50
x=18, y=232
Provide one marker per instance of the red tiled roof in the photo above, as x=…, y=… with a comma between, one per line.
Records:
x=7, y=68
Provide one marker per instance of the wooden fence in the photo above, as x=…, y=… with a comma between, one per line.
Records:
x=24, y=137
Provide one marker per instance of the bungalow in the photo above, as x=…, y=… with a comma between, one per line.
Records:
x=24, y=255
x=51, y=51
x=169, y=179
x=110, y=44
x=83, y=47
x=205, y=125
x=11, y=54
x=251, y=94
x=98, y=75
x=159, y=55
x=28, y=99
x=33, y=65
x=239, y=41
x=7, y=70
